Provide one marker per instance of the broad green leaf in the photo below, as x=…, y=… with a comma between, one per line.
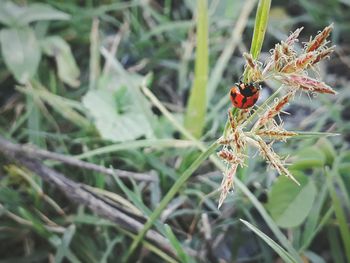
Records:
x=115, y=114
x=37, y=12
x=9, y=13
x=58, y=48
x=308, y=158
x=15, y=15
x=289, y=204
x=277, y=248
x=196, y=109
x=21, y=52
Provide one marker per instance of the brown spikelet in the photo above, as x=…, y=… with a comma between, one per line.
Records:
x=231, y=157
x=272, y=158
x=289, y=68
x=300, y=63
x=227, y=155
x=278, y=58
x=277, y=53
x=323, y=54
x=232, y=121
x=319, y=39
x=227, y=183
x=294, y=36
x=237, y=134
x=277, y=135
x=250, y=61
x=254, y=72
x=263, y=120
x=287, y=50
x=242, y=116
x=304, y=60
x=308, y=84
x=225, y=141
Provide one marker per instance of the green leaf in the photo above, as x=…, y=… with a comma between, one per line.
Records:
x=308, y=158
x=37, y=12
x=260, y=26
x=261, y=20
x=58, y=48
x=196, y=109
x=14, y=15
x=116, y=116
x=21, y=52
x=176, y=245
x=288, y=204
x=340, y=213
x=9, y=12
x=328, y=150
x=277, y=248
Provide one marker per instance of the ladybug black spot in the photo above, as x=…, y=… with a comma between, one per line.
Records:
x=233, y=95
x=244, y=101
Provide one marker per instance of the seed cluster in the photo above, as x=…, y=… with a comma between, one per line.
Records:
x=292, y=69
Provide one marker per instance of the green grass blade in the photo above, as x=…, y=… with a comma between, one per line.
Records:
x=339, y=214
x=169, y=196
x=153, y=143
x=278, y=249
x=335, y=245
x=34, y=122
x=261, y=20
x=176, y=245
x=306, y=134
x=196, y=108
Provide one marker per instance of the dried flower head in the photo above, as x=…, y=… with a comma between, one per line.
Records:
x=292, y=69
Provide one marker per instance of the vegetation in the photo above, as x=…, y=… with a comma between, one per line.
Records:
x=112, y=118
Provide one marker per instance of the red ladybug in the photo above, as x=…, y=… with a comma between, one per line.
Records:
x=244, y=95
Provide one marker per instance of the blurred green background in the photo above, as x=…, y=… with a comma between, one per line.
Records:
x=73, y=76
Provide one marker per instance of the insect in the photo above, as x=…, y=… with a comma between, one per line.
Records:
x=244, y=95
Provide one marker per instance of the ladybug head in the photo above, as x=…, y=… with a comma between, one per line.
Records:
x=248, y=89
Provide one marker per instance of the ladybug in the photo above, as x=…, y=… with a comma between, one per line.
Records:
x=244, y=95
